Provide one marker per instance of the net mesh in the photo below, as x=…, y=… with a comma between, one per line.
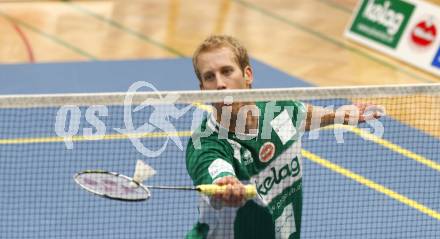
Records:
x=378, y=179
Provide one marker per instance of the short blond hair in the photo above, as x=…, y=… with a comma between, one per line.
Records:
x=218, y=41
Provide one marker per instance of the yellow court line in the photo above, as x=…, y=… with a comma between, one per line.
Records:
x=389, y=145
x=362, y=133
x=77, y=138
x=92, y=138
x=371, y=184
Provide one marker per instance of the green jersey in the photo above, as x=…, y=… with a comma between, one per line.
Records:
x=270, y=158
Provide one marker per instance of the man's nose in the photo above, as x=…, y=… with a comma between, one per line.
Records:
x=221, y=83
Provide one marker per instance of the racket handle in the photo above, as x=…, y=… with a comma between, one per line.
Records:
x=211, y=189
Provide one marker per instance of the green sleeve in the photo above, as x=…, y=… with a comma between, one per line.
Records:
x=212, y=161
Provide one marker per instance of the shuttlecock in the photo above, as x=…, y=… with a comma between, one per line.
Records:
x=142, y=172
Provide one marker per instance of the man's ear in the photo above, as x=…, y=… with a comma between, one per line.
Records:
x=248, y=75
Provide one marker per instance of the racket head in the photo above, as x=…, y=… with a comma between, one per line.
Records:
x=112, y=185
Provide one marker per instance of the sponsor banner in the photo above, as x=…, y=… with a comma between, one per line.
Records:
x=405, y=29
x=382, y=21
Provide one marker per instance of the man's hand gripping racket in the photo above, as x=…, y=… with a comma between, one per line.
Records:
x=120, y=187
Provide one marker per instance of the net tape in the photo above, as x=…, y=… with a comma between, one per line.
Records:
x=117, y=98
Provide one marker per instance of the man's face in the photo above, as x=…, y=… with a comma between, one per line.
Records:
x=219, y=71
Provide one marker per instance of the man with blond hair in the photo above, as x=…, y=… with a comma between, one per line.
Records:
x=265, y=152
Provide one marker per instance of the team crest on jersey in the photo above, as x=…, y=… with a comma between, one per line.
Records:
x=267, y=151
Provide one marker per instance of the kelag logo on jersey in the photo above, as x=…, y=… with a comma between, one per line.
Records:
x=436, y=60
x=278, y=175
x=382, y=20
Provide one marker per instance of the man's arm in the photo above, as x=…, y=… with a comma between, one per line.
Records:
x=318, y=117
x=212, y=165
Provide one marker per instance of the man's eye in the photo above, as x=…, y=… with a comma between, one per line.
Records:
x=227, y=71
x=209, y=77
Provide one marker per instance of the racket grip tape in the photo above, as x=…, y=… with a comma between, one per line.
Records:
x=211, y=189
